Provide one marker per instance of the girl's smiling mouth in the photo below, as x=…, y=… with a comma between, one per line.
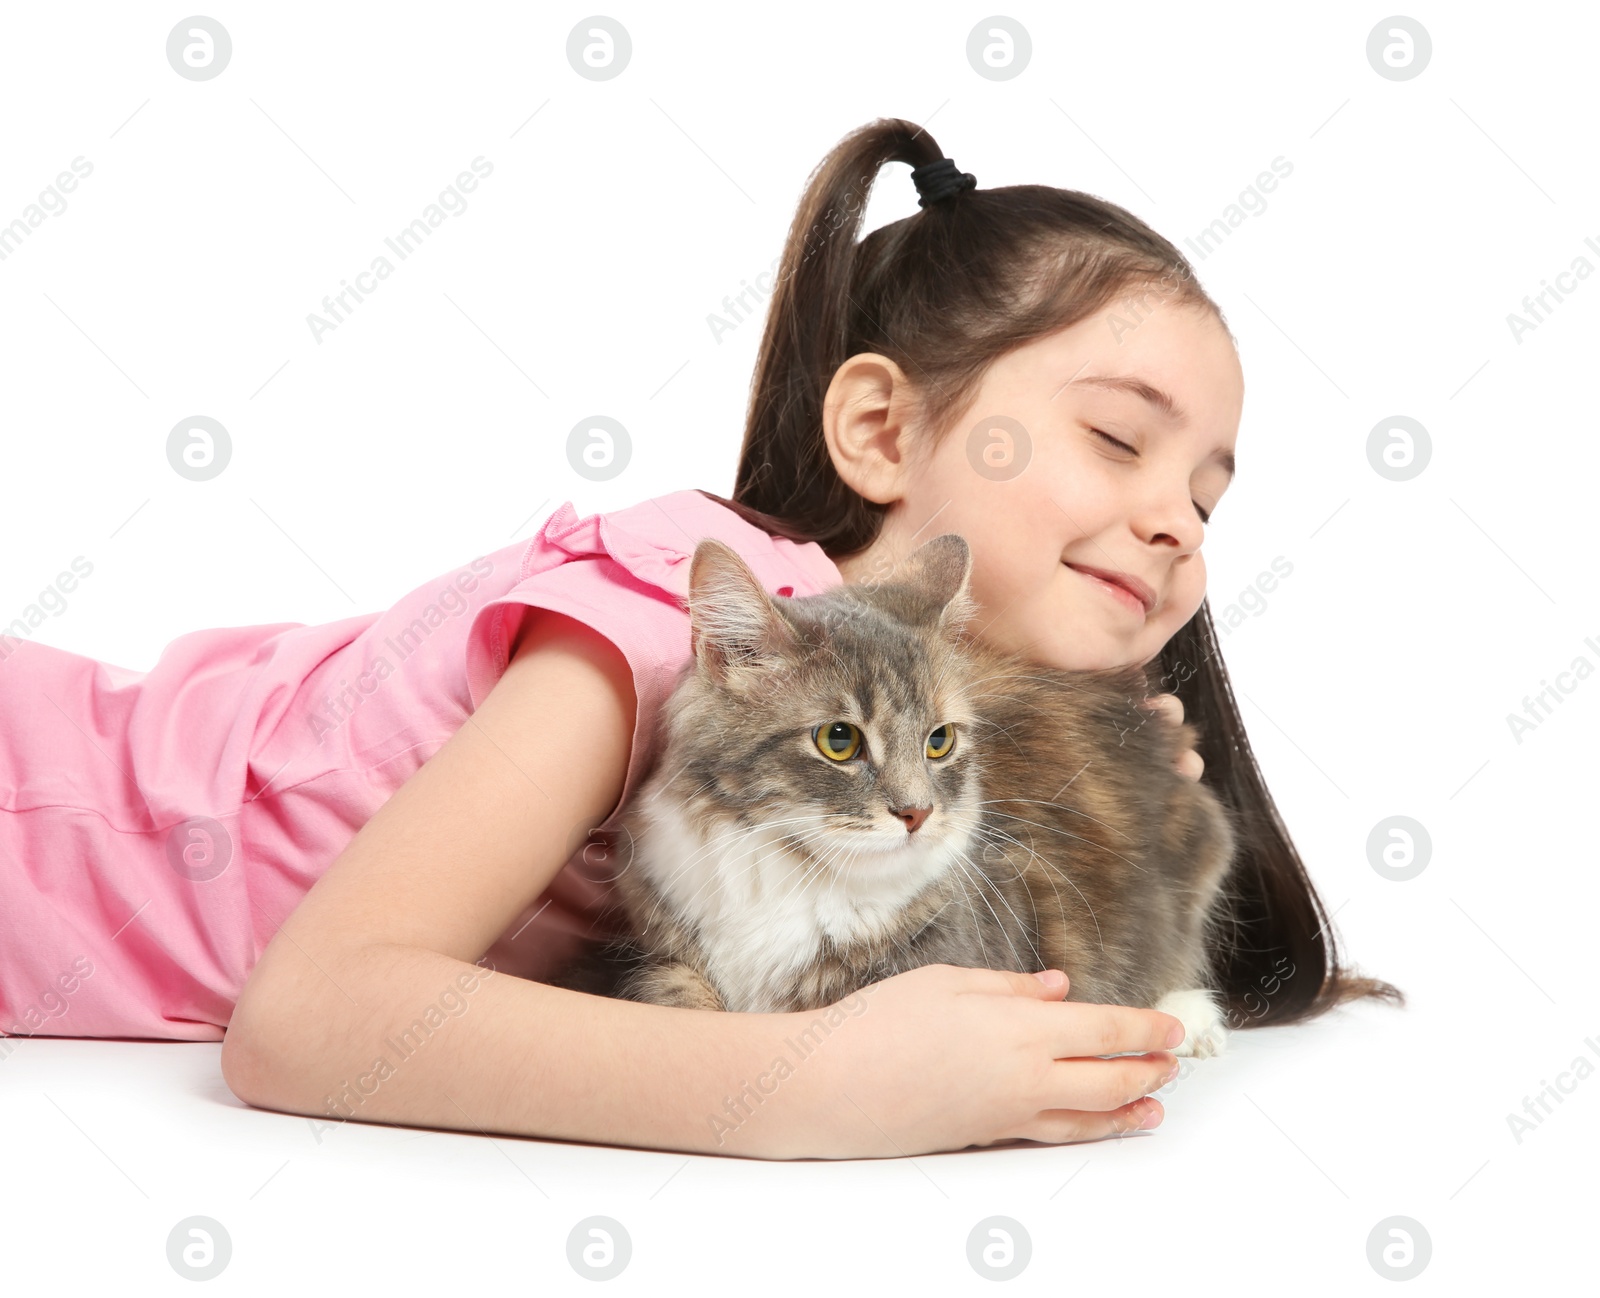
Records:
x=1128, y=591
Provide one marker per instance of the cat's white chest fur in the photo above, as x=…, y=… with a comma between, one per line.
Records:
x=762, y=909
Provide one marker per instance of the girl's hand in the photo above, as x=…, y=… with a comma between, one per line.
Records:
x=1171, y=706
x=944, y=1057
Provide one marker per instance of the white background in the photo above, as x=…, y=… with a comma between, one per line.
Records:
x=431, y=426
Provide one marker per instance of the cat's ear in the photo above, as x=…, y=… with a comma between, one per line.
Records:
x=733, y=624
x=942, y=569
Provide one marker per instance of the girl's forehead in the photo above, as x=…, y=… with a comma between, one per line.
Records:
x=1179, y=361
x=1113, y=336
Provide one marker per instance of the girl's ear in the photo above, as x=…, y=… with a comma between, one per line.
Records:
x=942, y=569
x=734, y=628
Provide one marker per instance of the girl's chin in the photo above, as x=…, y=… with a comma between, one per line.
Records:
x=1085, y=653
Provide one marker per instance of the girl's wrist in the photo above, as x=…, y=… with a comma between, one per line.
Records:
x=781, y=1097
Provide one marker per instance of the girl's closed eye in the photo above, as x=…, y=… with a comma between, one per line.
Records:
x=1205, y=514
x=1109, y=438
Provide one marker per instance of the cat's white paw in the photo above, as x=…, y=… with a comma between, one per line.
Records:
x=1205, y=1031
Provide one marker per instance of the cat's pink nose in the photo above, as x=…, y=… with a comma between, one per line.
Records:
x=913, y=816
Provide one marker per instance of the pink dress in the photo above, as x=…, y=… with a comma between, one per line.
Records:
x=157, y=827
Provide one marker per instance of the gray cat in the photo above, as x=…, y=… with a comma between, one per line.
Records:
x=850, y=786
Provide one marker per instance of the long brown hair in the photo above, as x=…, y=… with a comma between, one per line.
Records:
x=944, y=294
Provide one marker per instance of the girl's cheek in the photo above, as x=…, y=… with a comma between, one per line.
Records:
x=1183, y=599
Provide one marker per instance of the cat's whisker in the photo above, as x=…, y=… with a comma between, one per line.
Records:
x=962, y=865
x=1044, y=802
x=814, y=866
x=964, y=894
x=995, y=837
x=1065, y=833
x=1053, y=868
x=986, y=833
x=987, y=730
x=1056, y=682
x=791, y=841
x=775, y=847
x=711, y=844
x=951, y=661
x=715, y=878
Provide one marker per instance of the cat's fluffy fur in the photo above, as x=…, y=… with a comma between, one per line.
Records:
x=761, y=875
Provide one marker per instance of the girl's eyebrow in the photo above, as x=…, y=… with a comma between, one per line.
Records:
x=1161, y=400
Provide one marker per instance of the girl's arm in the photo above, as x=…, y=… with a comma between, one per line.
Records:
x=375, y=963
x=382, y=941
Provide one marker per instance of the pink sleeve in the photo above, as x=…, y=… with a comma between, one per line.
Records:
x=624, y=574
x=648, y=626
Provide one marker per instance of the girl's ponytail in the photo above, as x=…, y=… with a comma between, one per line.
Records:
x=784, y=468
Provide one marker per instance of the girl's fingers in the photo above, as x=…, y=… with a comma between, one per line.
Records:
x=1106, y=1085
x=1059, y=1126
x=1190, y=763
x=1170, y=704
x=1008, y=982
x=1079, y=1029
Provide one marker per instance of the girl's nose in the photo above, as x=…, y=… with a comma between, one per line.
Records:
x=1172, y=520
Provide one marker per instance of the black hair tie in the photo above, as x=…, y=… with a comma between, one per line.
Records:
x=939, y=180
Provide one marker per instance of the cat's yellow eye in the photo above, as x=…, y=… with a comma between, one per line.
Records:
x=839, y=740
x=942, y=740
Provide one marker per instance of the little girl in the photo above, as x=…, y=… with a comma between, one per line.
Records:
x=357, y=847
